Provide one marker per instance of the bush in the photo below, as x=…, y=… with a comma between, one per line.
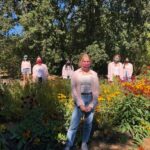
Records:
x=132, y=115
x=43, y=110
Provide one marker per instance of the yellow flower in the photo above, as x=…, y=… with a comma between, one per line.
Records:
x=100, y=98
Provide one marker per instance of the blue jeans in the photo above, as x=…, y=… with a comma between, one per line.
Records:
x=75, y=120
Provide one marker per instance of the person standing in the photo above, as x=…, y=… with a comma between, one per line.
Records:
x=85, y=92
x=127, y=70
x=40, y=71
x=25, y=69
x=67, y=70
x=115, y=68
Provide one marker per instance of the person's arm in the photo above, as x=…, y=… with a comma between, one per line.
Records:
x=95, y=91
x=21, y=66
x=46, y=70
x=34, y=73
x=76, y=94
x=72, y=68
x=64, y=71
x=131, y=70
x=110, y=77
x=121, y=71
x=30, y=67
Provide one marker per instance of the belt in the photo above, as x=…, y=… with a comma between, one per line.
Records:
x=86, y=93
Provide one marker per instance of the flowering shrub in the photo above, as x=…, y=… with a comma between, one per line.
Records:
x=132, y=115
x=47, y=116
x=117, y=105
x=138, y=87
x=108, y=94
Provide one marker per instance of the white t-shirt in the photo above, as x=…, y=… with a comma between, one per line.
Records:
x=86, y=86
x=116, y=70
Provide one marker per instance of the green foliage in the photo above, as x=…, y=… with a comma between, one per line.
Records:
x=131, y=115
x=10, y=104
x=57, y=32
x=42, y=126
x=3, y=142
x=97, y=53
x=32, y=128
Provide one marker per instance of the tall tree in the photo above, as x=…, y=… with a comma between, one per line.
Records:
x=58, y=29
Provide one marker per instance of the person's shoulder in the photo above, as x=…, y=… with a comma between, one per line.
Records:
x=110, y=63
x=44, y=65
x=130, y=65
x=77, y=71
x=35, y=65
x=28, y=61
x=93, y=72
x=64, y=65
x=120, y=63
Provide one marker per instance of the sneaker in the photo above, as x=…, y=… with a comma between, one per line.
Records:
x=84, y=146
x=67, y=148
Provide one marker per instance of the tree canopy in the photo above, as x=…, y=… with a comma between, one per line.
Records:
x=62, y=29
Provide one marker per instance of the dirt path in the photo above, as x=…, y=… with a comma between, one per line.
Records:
x=99, y=145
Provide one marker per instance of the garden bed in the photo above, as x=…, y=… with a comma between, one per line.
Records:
x=38, y=116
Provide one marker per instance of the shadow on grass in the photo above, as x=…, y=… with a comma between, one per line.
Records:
x=106, y=138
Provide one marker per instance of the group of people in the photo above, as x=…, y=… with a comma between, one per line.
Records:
x=85, y=92
x=122, y=70
x=85, y=89
x=39, y=71
x=115, y=69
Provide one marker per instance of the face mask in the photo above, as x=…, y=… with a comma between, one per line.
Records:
x=116, y=59
x=86, y=64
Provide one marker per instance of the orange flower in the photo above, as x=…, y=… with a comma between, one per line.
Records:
x=140, y=148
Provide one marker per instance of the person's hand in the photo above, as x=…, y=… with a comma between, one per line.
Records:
x=83, y=108
x=88, y=108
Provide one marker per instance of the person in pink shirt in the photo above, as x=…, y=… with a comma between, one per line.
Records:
x=127, y=70
x=85, y=92
x=67, y=70
x=115, y=68
x=25, y=69
x=39, y=71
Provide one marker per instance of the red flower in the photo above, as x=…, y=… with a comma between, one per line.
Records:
x=148, y=67
x=140, y=148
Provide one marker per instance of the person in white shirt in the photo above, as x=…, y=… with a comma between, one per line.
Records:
x=25, y=69
x=127, y=70
x=115, y=68
x=40, y=71
x=85, y=92
x=67, y=70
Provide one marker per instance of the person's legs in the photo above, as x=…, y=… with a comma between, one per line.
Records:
x=75, y=120
x=26, y=73
x=24, y=79
x=87, y=126
x=40, y=79
x=28, y=77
